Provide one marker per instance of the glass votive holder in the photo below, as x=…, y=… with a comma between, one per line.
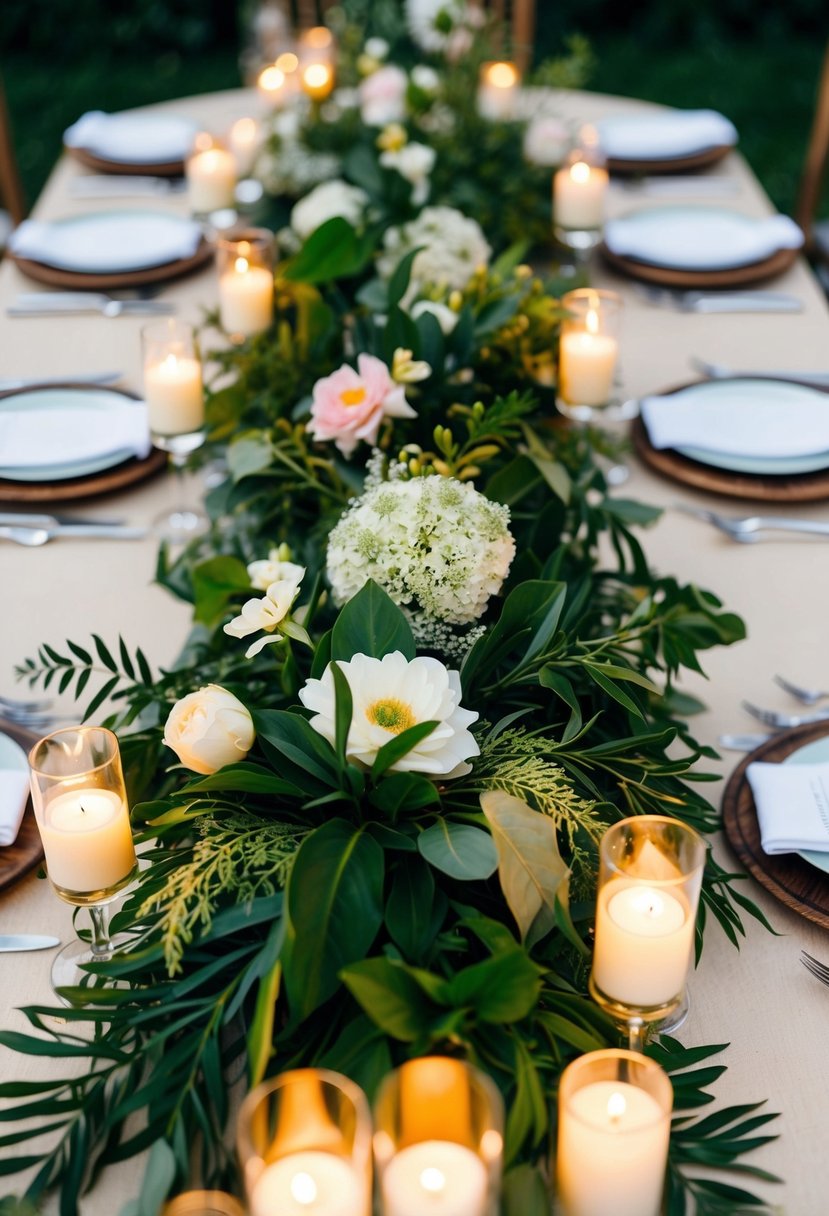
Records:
x=316, y=45
x=498, y=85
x=650, y=877
x=317, y=80
x=173, y=387
x=244, y=140
x=203, y=1203
x=211, y=173
x=277, y=84
x=614, y=1122
x=245, y=263
x=579, y=191
x=588, y=356
x=438, y=1140
x=304, y=1144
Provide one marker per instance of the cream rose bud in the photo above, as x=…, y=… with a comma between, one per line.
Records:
x=209, y=729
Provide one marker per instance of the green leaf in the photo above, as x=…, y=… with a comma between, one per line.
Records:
x=390, y=997
x=335, y=909
x=403, y=793
x=292, y=736
x=343, y=710
x=400, y=746
x=399, y=281
x=525, y=1192
x=215, y=582
x=250, y=453
x=372, y=624
x=459, y=850
x=103, y=654
x=158, y=1179
x=530, y=867
x=333, y=251
x=503, y=989
x=246, y=778
x=408, y=911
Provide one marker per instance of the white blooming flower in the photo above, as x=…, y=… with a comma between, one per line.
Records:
x=430, y=22
x=425, y=78
x=546, y=141
x=208, y=729
x=437, y=546
x=452, y=247
x=273, y=569
x=383, y=96
x=330, y=199
x=376, y=48
x=414, y=162
x=266, y=614
x=406, y=370
x=445, y=316
x=389, y=695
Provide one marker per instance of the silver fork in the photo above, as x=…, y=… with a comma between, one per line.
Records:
x=782, y=721
x=51, y=303
x=819, y=970
x=720, y=302
x=809, y=696
x=749, y=528
x=718, y=371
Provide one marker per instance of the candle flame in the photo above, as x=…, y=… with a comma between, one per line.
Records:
x=271, y=78
x=316, y=75
x=580, y=172
x=492, y=1143
x=304, y=1189
x=616, y=1107
x=433, y=1180
x=241, y=265
x=650, y=902
x=287, y=62
x=318, y=37
x=169, y=363
x=244, y=130
x=502, y=75
x=591, y=321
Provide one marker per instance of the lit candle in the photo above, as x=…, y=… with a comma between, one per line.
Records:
x=644, y=941
x=309, y=1183
x=243, y=140
x=435, y=1102
x=211, y=179
x=246, y=298
x=174, y=395
x=587, y=364
x=435, y=1178
x=498, y=90
x=317, y=81
x=612, y=1150
x=578, y=196
x=87, y=840
x=276, y=83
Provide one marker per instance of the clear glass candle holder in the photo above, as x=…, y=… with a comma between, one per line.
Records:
x=650, y=877
x=203, y=1203
x=588, y=356
x=304, y=1144
x=614, y=1122
x=211, y=171
x=438, y=1140
x=244, y=139
x=81, y=809
x=278, y=83
x=499, y=82
x=316, y=45
x=244, y=259
x=579, y=193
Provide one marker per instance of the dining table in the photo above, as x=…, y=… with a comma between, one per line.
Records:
x=759, y=999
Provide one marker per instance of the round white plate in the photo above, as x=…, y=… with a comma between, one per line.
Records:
x=108, y=242
x=699, y=238
x=133, y=139
x=57, y=399
x=667, y=135
x=812, y=753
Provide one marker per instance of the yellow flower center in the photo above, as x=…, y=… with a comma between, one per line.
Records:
x=393, y=715
x=353, y=396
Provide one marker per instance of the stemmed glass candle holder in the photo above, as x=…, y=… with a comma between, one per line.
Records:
x=588, y=356
x=579, y=190
x=650, y=876
x=498, y=85
x=614, y=1122
x=438, y=1140
x=80, y=805
x=175, y=405
x=304, y=1143
x=316, y=49
x=245, y=264
x=211, y=171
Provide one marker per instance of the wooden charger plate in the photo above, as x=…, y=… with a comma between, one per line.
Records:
x=19, y=858
x=76, y=281
x=737, y=276
x=675, y=164
x=68, y=489
x=170, y=168
x=796, y=883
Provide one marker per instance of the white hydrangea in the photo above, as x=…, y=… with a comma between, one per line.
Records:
x=437, y=546
x=330, y=199
x=452, y=248
x=414, y=162
x=290, y=168
x=435, y=24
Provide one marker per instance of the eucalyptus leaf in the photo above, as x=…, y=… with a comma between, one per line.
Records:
x=459, y=850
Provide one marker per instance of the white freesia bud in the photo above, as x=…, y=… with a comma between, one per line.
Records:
x=406, y=370
x=209, y=729
x=267, y=613
x=276, y=567
x=446, y=318
x=377, y=48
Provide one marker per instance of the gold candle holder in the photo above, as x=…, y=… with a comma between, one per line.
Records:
x=244, y=260
x=438, y=1140
x=304, y=1144
x=614, y=1123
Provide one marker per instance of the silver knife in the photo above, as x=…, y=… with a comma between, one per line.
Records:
x=742, y=743
x=70, y=378
x=101, y=305
x=101, y=186
x=25, y=519
x=11, y=942
x=755, y=301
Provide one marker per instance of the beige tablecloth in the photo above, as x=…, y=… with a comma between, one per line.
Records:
x=760, y=1000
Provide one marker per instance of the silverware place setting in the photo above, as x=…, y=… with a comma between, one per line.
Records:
x=12, y=385
x=718, y=371
x=33, y=531
x=116, y=186
x=748, y=529
x=16, y=942
x=808, y=696
x=818, y=969
x=77, y=303
x=745, y=742
x=719, y=302
x=779, y=720
x=33, y=715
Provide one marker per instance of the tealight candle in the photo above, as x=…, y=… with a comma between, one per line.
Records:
x=308, y=1184
x=588, y=348
x=243, y=141
x=246, y=284
x=579, y=191
x=174, y=395
x=276, y=83
x=318, y=81
x=613, y=1133
x=211, y=178
x=435, y=1178
x=87, y=840
x=498, y=90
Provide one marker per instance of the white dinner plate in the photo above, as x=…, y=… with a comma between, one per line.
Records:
x=699, y=238
x=672, y=134
x=132, y=139
x=812, y=753
x=47, y=400
x=107, y=242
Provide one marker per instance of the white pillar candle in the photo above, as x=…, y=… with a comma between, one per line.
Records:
x=276, y=84
x=87, y=840
x=211, y=179
x=435, y=1178
x=246, y=298
x=644, y=942
x=309, y=1184
x=587, y=364
x=612, y=1151
x=317, y=81
x=174, y=395
x=498, y=91
x=578, y=196
x=243, y=140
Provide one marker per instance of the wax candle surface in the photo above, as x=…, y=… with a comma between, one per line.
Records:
x=246, y=298
x=309, y=1184
x=244, y=142
x=317, y=81
x=612, y=1150
x=497, y=90
x=644, y=941
x=435, y=1178
x=174, y=395
x=87, y=840
x=578, y=196
x=587, y=363
x=211, y=180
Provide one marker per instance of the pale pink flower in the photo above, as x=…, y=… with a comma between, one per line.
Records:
x=350, y=405
x=383, y=96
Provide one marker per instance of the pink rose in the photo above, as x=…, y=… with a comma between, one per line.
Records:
x=349, y=406
x=383, y=96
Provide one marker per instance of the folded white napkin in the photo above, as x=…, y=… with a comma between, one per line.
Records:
x=700, y=238
x=792, y=802
x=32, y=438
x=132, y=138
x=741, y=418
x=673, y=133
x=14, y=791
x=107, y=242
